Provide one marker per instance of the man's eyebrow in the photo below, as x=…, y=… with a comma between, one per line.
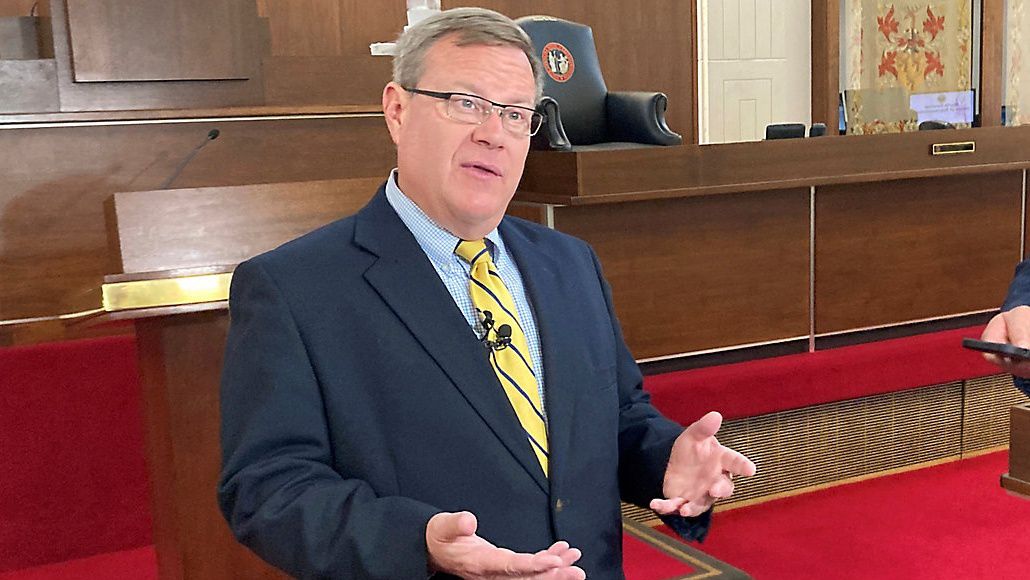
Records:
x=471, y=90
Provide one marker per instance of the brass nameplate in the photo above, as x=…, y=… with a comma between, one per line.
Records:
x=165, y=292
x=953, y=148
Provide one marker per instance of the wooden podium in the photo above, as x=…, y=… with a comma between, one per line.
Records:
x=1017, y=480
x=176, y=250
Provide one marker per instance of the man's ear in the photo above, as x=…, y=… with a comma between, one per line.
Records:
x=395, y=108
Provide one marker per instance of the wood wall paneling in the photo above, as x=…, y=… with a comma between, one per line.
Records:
x=16, y=7
x=914, y=249
x=642, y=46
x=145, y=95
x=320, y=55
x=325, y=80
x=162, y=40
x=55, y=180
x=223, y=226
x=180, y=362
x=698, y=273
x=992, y=39
x=534, y=212
x=28, y=86
x=305, y=27
x=18, y=38
x=826, y=63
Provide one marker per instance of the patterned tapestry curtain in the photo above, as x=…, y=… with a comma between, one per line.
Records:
x=894, y=49
x=1017, y=84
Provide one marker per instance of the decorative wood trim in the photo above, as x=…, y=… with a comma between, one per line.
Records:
x=173, y=114
x=992, y=41
x=825, y=63
x=574, y=178
x=695, y=134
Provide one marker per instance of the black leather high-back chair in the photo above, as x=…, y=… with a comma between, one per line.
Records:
x=579, y=110
x=785, y=131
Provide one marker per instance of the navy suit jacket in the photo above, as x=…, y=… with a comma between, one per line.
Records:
x=1019, y=295
x=357, y=402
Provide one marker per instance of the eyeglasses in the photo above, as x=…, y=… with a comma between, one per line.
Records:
x=475, y=110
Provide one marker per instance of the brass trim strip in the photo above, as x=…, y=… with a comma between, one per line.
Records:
x=905, y=322
x=51, y=318
x=670, y=547
x=953, y=148
x=119, y=296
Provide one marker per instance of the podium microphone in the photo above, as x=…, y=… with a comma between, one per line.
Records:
x=211, y=136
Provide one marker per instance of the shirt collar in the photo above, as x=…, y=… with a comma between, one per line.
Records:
x=436, y=242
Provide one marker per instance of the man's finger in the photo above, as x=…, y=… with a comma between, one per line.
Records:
x=693, y=509
x=1017, y=326
x=558, y=548
x=722, y=488
x=737, y=463
x=518, y=564
x=571, y=573
x=667, y=506
x=570, y=556
x=996, y=330
x=1020, y=368
x=706, y=426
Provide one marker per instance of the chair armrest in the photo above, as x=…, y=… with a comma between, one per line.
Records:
x=639, y=117
x=552, y=133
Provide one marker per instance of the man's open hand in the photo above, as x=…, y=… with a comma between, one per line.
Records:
x=455, y=548
x=700, y=470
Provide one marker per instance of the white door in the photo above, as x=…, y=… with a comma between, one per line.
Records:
x=754, y=67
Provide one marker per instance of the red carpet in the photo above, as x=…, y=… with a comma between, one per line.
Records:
x=137, y=564
x=643, y=562
x=638, y=555
x=948, y=521
x=73, y=479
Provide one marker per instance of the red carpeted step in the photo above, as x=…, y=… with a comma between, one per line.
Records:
x=137, y=564
x=788, y=382
x=641, y=561
x=947, y=521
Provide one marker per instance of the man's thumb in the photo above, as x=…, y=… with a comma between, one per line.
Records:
x=451, y=526
x=705, y=426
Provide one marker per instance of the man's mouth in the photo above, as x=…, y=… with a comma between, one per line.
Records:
x=483, y=168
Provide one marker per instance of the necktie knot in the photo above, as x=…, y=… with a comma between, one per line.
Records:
x=471, y=250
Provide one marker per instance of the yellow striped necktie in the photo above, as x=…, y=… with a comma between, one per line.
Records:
x=509, y=351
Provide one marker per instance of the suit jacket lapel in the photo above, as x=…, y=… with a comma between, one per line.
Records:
x=406, y=280
x=555, y=315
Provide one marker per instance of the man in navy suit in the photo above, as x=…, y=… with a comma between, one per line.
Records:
x=365, y=433
x=1012, y=325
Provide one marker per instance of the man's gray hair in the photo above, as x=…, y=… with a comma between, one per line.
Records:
x=468, y=27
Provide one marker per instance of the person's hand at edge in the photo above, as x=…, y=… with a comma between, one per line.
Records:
x=700, y=470
x=455, y=548
x=1013, y=327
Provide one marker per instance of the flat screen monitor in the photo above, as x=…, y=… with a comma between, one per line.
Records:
x=949, y=107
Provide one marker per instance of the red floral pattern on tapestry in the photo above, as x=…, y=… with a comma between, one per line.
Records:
x=912, y=55
x=886, y=24
x=933, y=25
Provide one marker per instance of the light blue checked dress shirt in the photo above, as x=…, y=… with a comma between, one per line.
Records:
x=439, y=244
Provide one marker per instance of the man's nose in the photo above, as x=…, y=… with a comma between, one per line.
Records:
x=491, y=130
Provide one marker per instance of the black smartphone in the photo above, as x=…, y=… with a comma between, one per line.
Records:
x=998, y=348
